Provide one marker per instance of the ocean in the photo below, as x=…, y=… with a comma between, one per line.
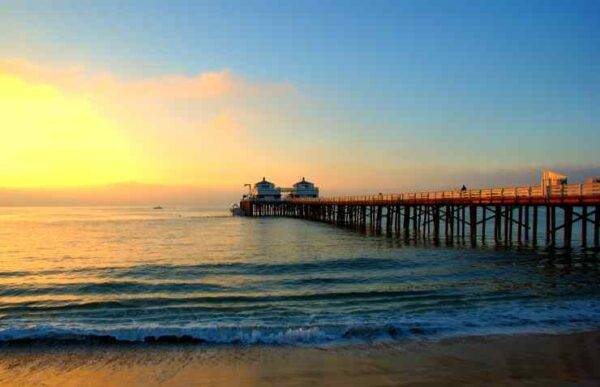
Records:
x=193, y=275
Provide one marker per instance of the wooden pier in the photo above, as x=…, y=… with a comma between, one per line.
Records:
x=518, y=215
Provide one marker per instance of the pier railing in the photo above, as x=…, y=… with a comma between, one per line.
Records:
x=564, y=193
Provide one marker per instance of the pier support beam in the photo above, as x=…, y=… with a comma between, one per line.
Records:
x=483, y=220
x=535, y=226
x=597, y=228
x=497, y=223
x=584, y=221
x=548, y=217
x=527, y=223
x=520, y=225
x=506, y=225
x=553, y=226
x=473, y=224
x=436, y=223
x=463, y=225
x=568, y=215
x=388, y=221
x=406, y=224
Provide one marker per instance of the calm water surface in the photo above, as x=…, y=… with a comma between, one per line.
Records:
x=141, y=274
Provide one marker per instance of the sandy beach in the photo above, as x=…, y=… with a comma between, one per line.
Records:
x=498, y=360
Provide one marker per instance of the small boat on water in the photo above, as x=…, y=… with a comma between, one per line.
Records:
x=235, y=210
x=157, y=208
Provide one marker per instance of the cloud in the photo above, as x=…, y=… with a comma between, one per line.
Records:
x=180, y=129
x=207, y=85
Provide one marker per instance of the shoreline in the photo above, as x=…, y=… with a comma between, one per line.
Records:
x=572, y=358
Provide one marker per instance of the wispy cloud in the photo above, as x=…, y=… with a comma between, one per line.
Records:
x=181, y=129
x=206, y=85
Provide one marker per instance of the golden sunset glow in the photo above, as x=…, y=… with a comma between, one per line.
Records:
x=50, y=138
x=94, y=128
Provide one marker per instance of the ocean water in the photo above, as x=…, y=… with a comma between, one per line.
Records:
x=197, y=275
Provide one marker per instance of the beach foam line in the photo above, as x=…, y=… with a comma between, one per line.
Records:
x=306, y=335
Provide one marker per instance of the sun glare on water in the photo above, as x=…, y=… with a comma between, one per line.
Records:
x=54, y=139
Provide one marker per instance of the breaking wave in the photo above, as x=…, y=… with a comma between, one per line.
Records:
x=512, y=318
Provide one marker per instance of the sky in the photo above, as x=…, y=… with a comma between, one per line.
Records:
x=105, y=101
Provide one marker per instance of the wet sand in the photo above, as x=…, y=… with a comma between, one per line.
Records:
x=499, y=360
